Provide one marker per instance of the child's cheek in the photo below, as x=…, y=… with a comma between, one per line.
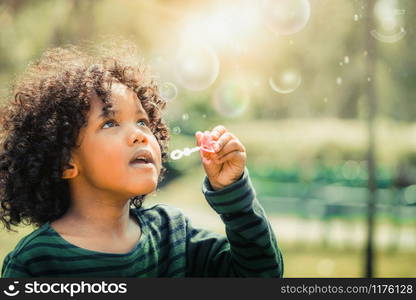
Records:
x=157, y=152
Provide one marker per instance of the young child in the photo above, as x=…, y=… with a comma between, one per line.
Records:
x=83, y=144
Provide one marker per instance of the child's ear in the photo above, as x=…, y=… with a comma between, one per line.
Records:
x=70, y=171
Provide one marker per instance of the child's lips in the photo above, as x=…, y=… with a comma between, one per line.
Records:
x=141, y=165
x=142, y=157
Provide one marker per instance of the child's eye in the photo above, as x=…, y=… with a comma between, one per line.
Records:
x=142, y=123
x=109, y=123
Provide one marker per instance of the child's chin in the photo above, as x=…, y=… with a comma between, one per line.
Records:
x=147, y=187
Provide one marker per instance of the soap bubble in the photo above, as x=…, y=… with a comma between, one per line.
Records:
x=390, y=29
x=338, y=80
x=390, y=38
x=356, y=17
x=231, y=98
x=285, y=82
x=196, y=67
x=346, y=59
x=168, y=91
x=176, y=130
x=286, y=17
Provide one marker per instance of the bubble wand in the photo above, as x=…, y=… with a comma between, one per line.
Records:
x=207, y=145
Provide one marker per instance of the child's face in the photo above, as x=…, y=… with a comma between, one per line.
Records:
x=109, y=145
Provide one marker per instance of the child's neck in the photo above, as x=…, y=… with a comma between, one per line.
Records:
x=106, y=229
x=97, y=211
x=91, y=216
x=110, y=219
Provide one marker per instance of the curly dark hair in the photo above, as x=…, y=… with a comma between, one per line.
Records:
x=48, y=106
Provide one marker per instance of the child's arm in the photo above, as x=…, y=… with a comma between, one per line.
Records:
x=250, y=249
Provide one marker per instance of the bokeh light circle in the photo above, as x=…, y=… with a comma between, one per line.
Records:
x=390, y=22
x=231, y=98
x=285, y=82
x=286, y=17
x=185, y=117
x=196, y=67
x=176, y=130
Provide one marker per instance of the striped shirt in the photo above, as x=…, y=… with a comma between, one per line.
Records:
x=169, y=245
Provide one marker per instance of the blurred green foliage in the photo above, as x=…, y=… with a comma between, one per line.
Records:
x=316, y=133
x=29, y=27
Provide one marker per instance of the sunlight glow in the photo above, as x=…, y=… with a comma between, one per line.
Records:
x=226, y=27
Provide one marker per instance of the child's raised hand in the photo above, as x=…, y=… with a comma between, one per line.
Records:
x=226, y=164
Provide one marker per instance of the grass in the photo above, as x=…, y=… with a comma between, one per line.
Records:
x=315, y=261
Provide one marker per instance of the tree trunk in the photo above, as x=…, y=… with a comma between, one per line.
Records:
x=372, y=111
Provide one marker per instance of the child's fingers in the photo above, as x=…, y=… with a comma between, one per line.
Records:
x=231, y=146
x=204, y=154
x=199, y=136
x=232, y=156
x=218, y=131
x=223, y=140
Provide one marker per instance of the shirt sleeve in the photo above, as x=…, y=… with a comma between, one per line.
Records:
x=12, y=268
x=250, y=248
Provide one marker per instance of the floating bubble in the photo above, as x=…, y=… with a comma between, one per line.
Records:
x=346, y=60
x=390, y=29
x=176, y=130
x=338, y=80
x=185, y=117
x=341, y=63
x=286, y=17
x=369, y=79
x=196, y=67
x=325, y=99
x=231, y=98
x=204, y=116
x=285, y=82
x=389, y=38
x=356, y=17
x=168, y=91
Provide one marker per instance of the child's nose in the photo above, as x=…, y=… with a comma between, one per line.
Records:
x=137, y=136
